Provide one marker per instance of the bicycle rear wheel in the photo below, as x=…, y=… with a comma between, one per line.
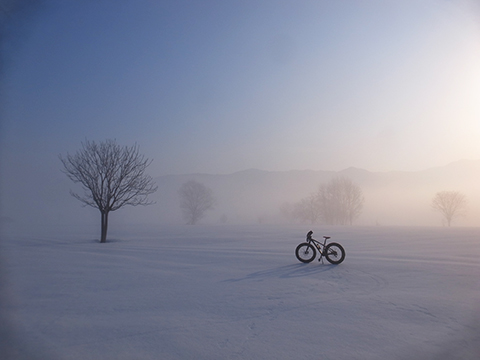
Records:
x=334, y=253
x=305, y=252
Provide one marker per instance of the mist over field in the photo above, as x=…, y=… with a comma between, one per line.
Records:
x=393, y=198
x=254, y=197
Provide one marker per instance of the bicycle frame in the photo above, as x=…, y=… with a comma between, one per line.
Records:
x=318, y=244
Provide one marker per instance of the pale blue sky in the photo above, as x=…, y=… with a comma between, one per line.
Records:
x=223, y=86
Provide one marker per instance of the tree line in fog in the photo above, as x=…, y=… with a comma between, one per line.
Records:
x=113, y=176
x=337, y=202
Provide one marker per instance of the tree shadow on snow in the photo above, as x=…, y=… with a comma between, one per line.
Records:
x=107, y=242
x=287, y=271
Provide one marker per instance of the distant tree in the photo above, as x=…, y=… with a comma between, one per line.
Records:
x=307, y=210
x=111, y=176
x=353, y=199
x=195, y=200
x=340, y=201
x=451, y=204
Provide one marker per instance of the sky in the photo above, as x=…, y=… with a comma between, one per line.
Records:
x=223, y=86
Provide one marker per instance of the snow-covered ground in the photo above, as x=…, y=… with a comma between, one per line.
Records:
x=238, y=292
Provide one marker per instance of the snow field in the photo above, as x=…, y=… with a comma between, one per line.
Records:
x=238, y=292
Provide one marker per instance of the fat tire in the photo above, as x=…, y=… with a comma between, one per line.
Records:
x=303, y=250
x=334, y=253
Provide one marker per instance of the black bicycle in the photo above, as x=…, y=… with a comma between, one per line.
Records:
x=333, y=252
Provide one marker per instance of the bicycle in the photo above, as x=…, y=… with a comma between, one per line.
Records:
x=333, y=252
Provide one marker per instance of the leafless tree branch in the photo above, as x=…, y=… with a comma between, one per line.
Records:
x=112, y=176
x=195, y=200
x=451, y=204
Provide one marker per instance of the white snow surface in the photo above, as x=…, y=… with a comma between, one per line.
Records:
x=238, y=292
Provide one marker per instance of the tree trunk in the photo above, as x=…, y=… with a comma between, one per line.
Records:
x=103, y=237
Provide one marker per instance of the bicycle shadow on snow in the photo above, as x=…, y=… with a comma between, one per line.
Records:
x=287, y=271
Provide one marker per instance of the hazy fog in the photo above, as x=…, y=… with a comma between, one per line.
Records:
x=217, y=88
x=250, y=197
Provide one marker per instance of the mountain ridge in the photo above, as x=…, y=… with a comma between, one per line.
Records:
x=457, y=163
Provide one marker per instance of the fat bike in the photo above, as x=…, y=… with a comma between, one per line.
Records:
x=307, y=251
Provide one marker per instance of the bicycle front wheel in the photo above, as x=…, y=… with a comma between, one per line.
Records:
x=305, y=252
x=334, y=253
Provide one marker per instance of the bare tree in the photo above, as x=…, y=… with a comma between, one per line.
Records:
x=111, y=176
x=340, y=200
x=451, y=204
x=307, y=210
x=195, y=200
x=353, y=199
